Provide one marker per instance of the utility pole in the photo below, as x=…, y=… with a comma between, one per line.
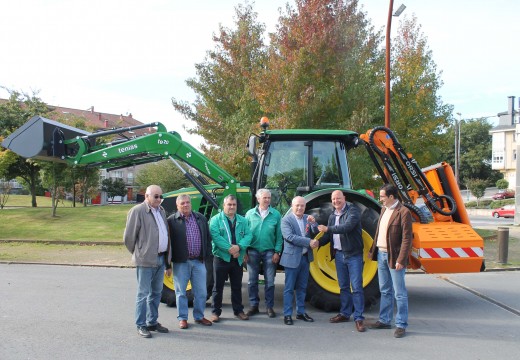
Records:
x=387, y=62
x=456, y=130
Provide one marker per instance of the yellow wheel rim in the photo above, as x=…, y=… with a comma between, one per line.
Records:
x=323, y=270
x=168, y=282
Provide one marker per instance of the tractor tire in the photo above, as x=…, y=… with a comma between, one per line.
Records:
x=168, y=297
x=168, y=293
x=322, y=288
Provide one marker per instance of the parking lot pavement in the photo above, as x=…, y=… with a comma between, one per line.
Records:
x=63, y=312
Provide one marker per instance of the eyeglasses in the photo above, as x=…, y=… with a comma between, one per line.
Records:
x=157, y=196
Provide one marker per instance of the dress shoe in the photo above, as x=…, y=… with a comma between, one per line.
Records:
x=360, y=326
x=253, y=310
x=183, y=324
x=287, y=320
x=379, y=325
x=215, y=318
x=157, y=327
x=339, y=318
x=304, y=317
x=242, y=316
x=143, y=332
x=399, y=332
x=204, y=322
x=271, y=313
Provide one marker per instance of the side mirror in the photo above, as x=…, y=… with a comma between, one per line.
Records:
x=251, y=145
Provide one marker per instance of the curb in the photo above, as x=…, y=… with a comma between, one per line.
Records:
x=65, y=264
x=64, y=242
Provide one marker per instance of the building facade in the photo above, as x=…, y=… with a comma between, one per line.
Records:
x=504, y=143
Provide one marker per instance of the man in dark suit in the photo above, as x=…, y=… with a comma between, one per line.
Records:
x=297, y=228
x=191, y=246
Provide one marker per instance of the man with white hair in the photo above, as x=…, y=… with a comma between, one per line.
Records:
x=146, y=237
x=265, y=249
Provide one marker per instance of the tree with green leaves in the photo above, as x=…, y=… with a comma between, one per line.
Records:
x=163, y=173
x=323, y=68
x=477, y=187
x=226, y=109
x=54, y=176
x=475, y=151
x=19, y=108
x=5, y=190
x=85, y=183
x=113, y=187
x=418, y=115
x=502, y=184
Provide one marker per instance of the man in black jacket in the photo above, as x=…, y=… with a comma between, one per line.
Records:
x=343, y=232
x=191, y=245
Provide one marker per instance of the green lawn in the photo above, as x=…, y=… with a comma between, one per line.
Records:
x=86, y=224
x=25, y=200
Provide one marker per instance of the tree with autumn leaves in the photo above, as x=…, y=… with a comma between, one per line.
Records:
x=323, y=68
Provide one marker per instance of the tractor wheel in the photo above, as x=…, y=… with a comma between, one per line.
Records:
x=323, y=289
x=168, y=293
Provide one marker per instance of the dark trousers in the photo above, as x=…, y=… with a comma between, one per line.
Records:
x=221, y=270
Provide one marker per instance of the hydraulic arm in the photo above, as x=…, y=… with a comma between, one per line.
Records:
x=448, y=244
x=41, y=138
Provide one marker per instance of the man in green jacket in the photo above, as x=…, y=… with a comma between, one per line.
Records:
x=231, y=237
x=265, y=249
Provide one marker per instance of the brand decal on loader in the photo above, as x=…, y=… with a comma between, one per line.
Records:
x=127, y=148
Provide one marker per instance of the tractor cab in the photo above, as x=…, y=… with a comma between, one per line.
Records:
x=293, y=164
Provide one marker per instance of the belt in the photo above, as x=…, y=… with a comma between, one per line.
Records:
x=162, y=253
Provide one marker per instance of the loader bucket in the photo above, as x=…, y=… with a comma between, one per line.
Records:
x=38, y=139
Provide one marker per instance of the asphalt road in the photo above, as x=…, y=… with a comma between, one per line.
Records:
x=62, y=312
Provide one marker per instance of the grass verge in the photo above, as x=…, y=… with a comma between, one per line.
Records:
x=87, y=227
x=81, y=224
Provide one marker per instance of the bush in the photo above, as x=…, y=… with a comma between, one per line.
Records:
x=499, y=203
x=483, y=204
x=502, y=184
x=489, y=204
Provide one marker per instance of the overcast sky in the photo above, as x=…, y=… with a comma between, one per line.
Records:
x=133, y=56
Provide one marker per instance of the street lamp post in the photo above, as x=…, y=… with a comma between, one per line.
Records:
x=387, y=64
x=457, y=148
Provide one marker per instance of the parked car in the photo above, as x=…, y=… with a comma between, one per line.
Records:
x=503, y=194
x=507, y=211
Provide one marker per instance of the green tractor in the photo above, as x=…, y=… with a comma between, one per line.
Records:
x=311, y=163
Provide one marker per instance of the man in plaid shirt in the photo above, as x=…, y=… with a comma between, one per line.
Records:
x=191, y=246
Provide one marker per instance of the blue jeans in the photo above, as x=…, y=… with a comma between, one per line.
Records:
x=253, y=269
x=149, y=290
x=391, y=284
x=350, y=272
x=194, y=271
x=296, y=281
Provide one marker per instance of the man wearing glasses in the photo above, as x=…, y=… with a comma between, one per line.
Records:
x=146, y=237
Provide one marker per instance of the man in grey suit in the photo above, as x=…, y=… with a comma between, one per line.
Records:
x=297, y=230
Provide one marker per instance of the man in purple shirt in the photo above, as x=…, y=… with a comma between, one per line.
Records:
x=191, y=246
